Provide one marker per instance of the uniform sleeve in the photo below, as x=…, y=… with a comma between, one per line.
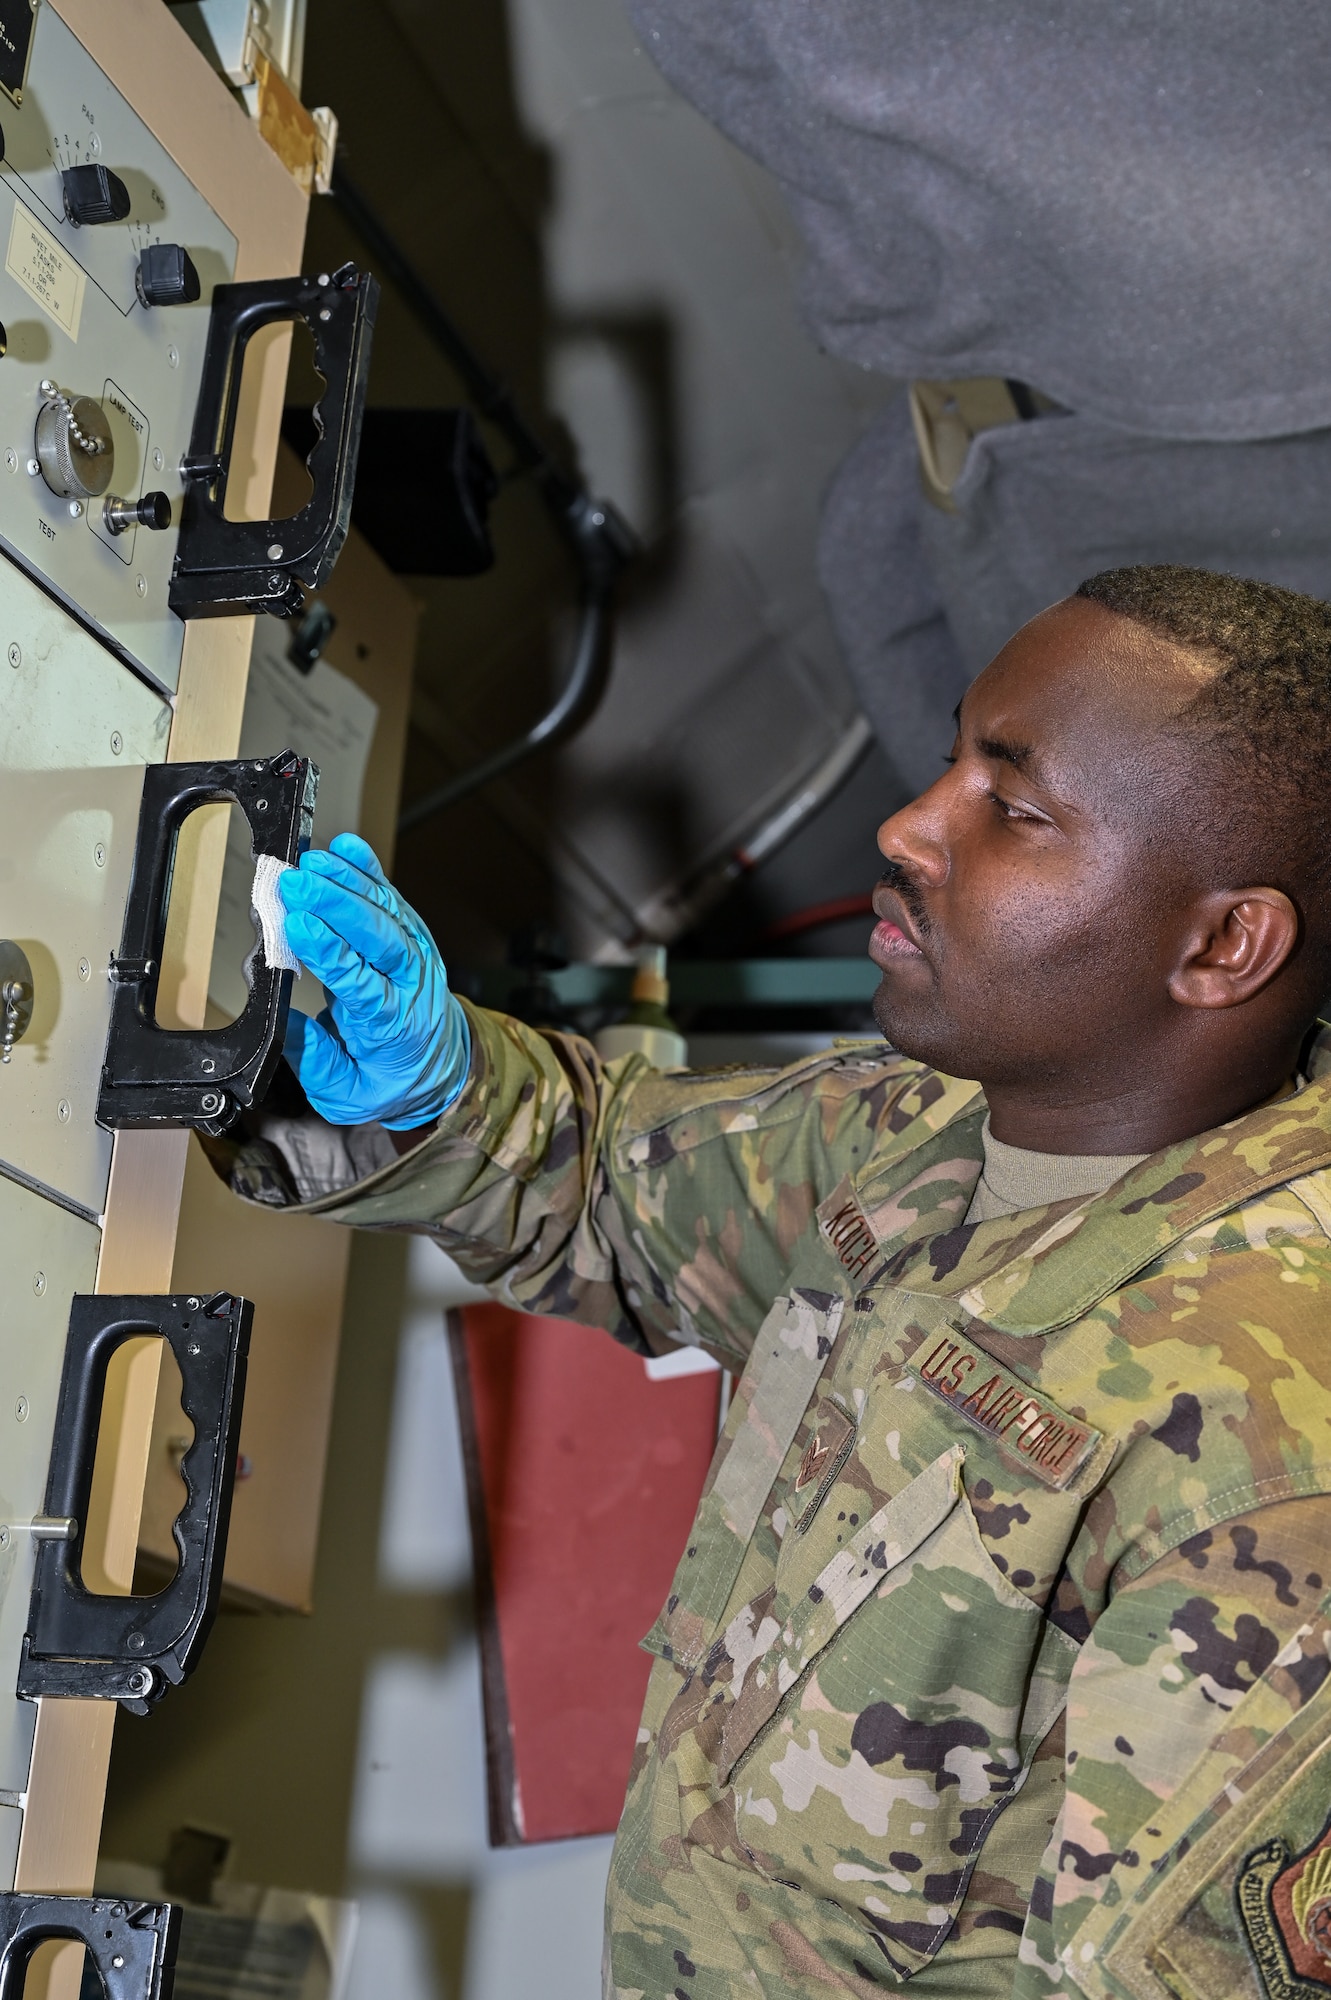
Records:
x=1200, y=1680
x=662, y=1207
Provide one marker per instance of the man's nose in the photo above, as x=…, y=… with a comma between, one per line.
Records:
x=915, y=839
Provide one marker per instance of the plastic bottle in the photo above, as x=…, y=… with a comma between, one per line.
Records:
x=647, y=1028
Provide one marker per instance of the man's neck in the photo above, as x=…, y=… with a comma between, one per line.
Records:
x=1140, y=1118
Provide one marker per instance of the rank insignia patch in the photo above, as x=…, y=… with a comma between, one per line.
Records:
x=1285, y=1905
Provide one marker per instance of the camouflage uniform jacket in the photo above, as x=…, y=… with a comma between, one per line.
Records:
x=997, y=1658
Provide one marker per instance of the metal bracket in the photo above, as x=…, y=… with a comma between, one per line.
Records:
x=130, y=1649
x=227, y=567
x=200, y=1077
x=132, y=1945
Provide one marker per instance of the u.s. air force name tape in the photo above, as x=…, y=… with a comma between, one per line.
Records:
x=1042, y=1438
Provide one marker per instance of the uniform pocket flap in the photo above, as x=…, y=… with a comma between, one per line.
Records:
x=886, y=1539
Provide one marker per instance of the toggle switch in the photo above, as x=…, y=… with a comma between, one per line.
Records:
x=94, y=194
x=166, y=276
x=153, y=511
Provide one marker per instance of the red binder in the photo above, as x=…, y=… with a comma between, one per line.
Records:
x=583, y=1475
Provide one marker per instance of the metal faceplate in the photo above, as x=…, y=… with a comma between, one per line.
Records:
x=76, y=730
x=47, y=1255
x=73, y=318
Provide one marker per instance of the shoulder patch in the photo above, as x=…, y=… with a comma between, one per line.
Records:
x=670, y=1112
x=1284, y=1903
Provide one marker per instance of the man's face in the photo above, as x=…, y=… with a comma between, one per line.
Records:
x=1034, y=895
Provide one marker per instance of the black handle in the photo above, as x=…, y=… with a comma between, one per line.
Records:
x=132, y=1945
x=200, y=1077
x=226, y=567
x=130, y=1649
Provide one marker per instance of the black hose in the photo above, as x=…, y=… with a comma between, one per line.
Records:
x=572, y=705
x=601, y=538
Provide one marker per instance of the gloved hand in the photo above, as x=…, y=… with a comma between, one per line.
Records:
x=393, y=1044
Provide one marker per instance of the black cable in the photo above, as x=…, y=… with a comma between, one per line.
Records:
x=600, y=537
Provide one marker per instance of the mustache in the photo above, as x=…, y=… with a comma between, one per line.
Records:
x=895, y=878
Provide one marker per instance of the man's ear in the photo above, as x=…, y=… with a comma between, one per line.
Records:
x=1237, y=944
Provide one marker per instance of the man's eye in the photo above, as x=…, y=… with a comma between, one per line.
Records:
x=1009, y=811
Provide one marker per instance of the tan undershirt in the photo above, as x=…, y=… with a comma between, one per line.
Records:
x=1014, y=1178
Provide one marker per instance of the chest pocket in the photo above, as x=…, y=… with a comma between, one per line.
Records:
x=890, y=1716
x=789, y=1354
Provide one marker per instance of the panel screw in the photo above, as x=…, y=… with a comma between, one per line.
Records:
x=208, y=1065
x=62, y=1111
x=135, y=1642
x=118, y=1961
x=21, y=1409
x=325, y=314
x=4, y=1537
x=173, y=357
x=85, y=969
x=159, y=458
x=99, y=854
x=95, y=144
x=193, y=1305
x=274, y=551
x=39, y=1282
x=11, y=459
x=117, y=743
x=75, y=509
x=141, y=584
x=15, y=654
x=33, y=467
x=210, y=1101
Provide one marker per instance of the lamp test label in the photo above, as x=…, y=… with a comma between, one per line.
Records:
x=46, y=274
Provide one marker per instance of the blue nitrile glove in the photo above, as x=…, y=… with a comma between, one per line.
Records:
x=392, y=1045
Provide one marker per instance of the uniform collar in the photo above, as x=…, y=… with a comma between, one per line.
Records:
x=1027, y=1274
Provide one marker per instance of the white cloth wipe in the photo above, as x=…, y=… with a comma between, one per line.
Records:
x=269, y=908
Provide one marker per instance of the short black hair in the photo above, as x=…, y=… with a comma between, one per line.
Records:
x=1261, y=726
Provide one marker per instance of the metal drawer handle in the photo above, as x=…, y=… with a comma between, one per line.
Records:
x=131, y=1649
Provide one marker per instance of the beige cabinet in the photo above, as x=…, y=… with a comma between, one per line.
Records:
x=102, y=679
x=293, y=1268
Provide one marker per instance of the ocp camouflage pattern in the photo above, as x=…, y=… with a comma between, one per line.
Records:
x=1006, y=1588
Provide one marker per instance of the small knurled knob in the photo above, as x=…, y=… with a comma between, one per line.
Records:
x=166, y=276
x=16, y=995
x=94, y=194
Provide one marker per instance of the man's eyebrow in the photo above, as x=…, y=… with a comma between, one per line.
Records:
x=1003, y=750
x=1023, y=757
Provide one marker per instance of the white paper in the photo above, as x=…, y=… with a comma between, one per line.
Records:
x=322, y=715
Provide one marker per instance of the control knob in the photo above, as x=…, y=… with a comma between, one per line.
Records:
x=75, y=449
x=94, y=194
x=152, y=511
x=16, y=995
x=166, y=276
